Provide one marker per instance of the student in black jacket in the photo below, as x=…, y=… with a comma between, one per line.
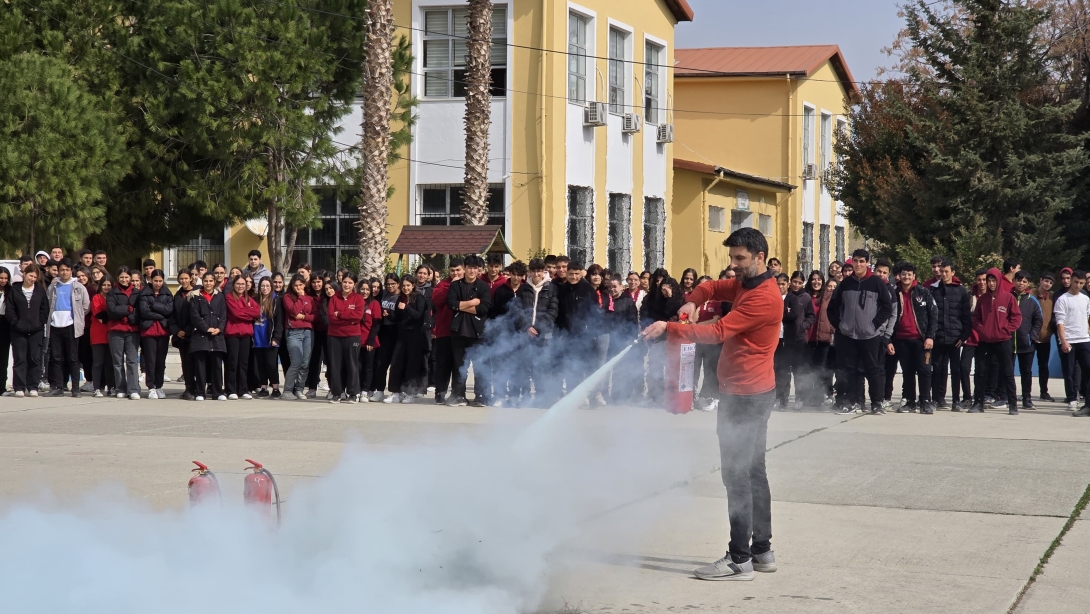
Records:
x=207, y=345
x=578, y=321
x=180, y=328
x=469, y=298
x=537, y=314
x=27, y=310
x=623, y=323
x=407, y=361
x=798, y=317
x=510, y=381
x=155, y=306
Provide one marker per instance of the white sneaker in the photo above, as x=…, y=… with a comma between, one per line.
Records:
x=725, y=569
x=407, y=398
x=159, y=392
x=19, y=394
x=1072, y=406
x=431, y=391
x=152, y=394
x=393, y=398
x=376, y=396
x=363, y=398
x=121, y=395
x=98, y=394
x=221, y=398
x=33, y=393
x=248, y=396
x=135, y=396
x=323, y=386
x=198, y=398
x=232, y=397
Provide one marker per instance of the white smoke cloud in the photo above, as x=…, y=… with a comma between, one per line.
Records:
x=463, y=526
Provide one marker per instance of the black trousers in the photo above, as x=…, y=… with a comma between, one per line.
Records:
x=154, y=352
x=285, y=358
x=1078, y=357
x=915, y=363
x=890, y=366
x=238, y=360
x=317, y=355
x=208, y=372
x=1025, y=371
x=187, y=365
x=26, y=352
x=1044, y=353
x=946, y=358
x=742, y=427
x=707, y=359
x=820, y=378
x=861, y=361
x=968, y=356
x=264, y=363
x=407, y=364
x=5, y=350
x=387, y=339
x=367, y=368
x=443, y=351
x=102, y=371
x=787, y=363
x=64, y=356
x=86, y=358
x=342, y=365
x=1001, y=353
x=460, y=345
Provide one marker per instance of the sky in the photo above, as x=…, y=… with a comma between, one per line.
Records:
x=861, y=27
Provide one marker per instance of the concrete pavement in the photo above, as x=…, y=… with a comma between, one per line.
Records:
x=894, y=513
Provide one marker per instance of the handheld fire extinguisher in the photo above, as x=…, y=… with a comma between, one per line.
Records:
x=203, y=486
x=259, y=488
x=680, y=380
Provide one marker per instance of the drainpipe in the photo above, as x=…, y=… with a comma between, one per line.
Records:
x=704, y=220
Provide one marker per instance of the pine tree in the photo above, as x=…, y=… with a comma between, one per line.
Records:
x=58, y=149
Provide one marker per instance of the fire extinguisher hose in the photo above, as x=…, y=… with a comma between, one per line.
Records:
x=276, y=491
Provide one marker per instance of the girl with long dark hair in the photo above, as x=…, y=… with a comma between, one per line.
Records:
x=369, y=342
x=124, y=334
x=27, y=312
x=266, y=340
x=387, y=335
x=346, y=310
x=407, y=360
x=156, y=307
x=242, y=310
x=317, y=291
x=298, y=312
x=208, y=316
x=102, y=369
x=819, y=340
x=181, y=329
x=5, y=329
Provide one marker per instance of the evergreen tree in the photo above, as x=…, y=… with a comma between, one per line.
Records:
x=973, y=132
x=58, y=149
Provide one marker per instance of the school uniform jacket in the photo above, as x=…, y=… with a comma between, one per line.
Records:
x=346, y=315
x=24, y=318
x=121, y=310
x=155, y=312
x=205, y=314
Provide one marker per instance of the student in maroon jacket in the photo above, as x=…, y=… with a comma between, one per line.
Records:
x=346, y=310
x=242, y=310
x=369, y=342
x=995, y=320
x=444, y=350
x=298, y=327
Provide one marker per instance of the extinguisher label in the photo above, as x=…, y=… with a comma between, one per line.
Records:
x=685, y=376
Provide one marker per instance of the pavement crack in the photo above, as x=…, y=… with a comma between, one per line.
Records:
x=1075, y=513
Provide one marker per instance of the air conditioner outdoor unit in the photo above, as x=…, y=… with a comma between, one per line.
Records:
x=632, y=123
x=665, y=134
x=594, y=114
x=809, y=171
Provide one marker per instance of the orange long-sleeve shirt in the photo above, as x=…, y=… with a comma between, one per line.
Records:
x=749, y=333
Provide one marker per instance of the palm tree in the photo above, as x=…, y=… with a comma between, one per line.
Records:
x=478, y=107
x=375, y=146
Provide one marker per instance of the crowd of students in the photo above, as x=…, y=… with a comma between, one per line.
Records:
x=531, y=332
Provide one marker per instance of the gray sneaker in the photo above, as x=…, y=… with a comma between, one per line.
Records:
x=765, y=562
x=725, y=569
x=288, y=396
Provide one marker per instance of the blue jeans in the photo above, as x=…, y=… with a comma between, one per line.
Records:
x=299, y=342
x=742, y=427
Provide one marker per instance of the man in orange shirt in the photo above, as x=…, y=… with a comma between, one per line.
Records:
x=747, y=383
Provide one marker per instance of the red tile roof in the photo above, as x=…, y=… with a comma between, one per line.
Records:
x=799, y=61
x=710, y=169
x=681, y=10
x=450, y=240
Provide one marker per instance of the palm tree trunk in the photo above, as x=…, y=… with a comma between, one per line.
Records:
x=376, y=139
x=478, y=111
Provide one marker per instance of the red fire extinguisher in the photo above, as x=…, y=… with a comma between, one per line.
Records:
x=259, y=488
x=680, y=360
x=203, y=487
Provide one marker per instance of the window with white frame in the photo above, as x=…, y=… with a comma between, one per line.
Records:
x=618, y=43
x=441, y=205
x=807, y=136
x=841, y=133
x=578, y=50
x=335, y=238
x=826, y=145
x=581, y=224
x=717, y=219
x=652, y=83
x=620, y=233
x=654, y=233
x=445, y=50
x=740, y=219
x=208, y=247
x=765, y=223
